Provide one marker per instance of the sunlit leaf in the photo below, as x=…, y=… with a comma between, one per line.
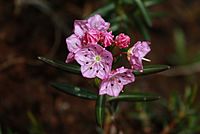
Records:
x=151, y=69
x=75, y=91
x=61, y=65
x=135, y=97
x=100, y=109
x=144, y=12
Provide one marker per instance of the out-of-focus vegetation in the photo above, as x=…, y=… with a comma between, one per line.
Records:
x=177, y=114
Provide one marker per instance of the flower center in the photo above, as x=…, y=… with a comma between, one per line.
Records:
x=97, y=58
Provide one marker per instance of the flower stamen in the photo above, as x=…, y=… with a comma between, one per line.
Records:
x=145, y=59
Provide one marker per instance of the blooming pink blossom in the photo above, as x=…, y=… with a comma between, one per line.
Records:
x=94, y=61
x=113, y=82
x=122, y=40
x=73, y=45
x=136, y=54
x=106, y=38
x=91, y=36
x=80, y=27
x=98, y=23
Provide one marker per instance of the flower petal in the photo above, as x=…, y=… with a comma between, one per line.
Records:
x=98, y=23
x=136, y=53
x=140, y=49
x=113, y=82
x=103, y=70
x=90, y=70
x=110, y=88
x=85, y=55
x=80, y=27
x=73, y=43
x=136, y=63
x=70, y=58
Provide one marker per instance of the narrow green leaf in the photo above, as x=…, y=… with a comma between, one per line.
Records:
x=144, y=12
x=75, y=91
x=105, y=9
x=135, y=97
x=142, y=27
x=149, y=3
x=100, y=109
x=61, y=65
x=152, y=69
x=180, y=45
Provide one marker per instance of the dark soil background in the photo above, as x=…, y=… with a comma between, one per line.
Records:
x=27, y=32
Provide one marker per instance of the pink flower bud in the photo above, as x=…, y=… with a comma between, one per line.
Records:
x=106, y=38
x=122, y=40
x=91, y=36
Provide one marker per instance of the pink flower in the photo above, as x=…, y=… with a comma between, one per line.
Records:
x=106, y=38
x=80, y=27
x=114, y=81
x=122, y=40
x=98, y=23
x=136, y=54
x=91, y=36
x=73, y=45
x=94, y=61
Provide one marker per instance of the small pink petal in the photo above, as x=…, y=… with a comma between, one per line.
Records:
x=80, y=27
x=70, y=58
x=91, y=36
x=90, y=70
x=85, y=55
x=73, y=43
x=98, y=23
x=110, y=88
x=106, y=38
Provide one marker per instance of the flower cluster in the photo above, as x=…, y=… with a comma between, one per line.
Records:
x=87, y=45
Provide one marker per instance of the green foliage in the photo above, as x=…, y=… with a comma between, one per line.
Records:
x=61, y=65
x=134, y=97
x=75, y=91
x=100, y=109
x=178, y=114
x=100, y=100
x=128, y=15
x=181, y=55
x=144, y=12
x=35, y=126
x=151, y=69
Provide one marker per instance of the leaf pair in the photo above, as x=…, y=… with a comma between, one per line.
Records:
x=101, y=100
x=75, y=69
